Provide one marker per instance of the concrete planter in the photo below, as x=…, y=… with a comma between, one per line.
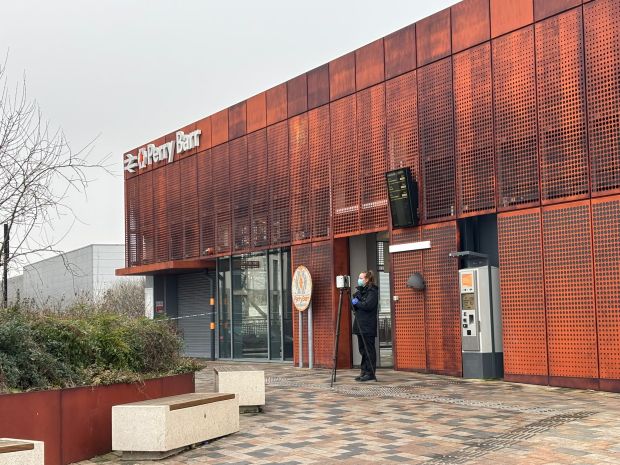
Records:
x=76, y=424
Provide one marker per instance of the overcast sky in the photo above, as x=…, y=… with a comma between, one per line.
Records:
x=129, y=71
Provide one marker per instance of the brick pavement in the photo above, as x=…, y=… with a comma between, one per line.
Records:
x=410, y=418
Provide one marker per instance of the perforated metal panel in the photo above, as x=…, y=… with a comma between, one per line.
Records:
x=189, y=206
x=606, y=227
x=345, y=167
x=437, y=139
x=259, y=187
x=132, y=220
x=160, y=210
x=473, y=100
x=561, y=107
x=240, y=194
x=569, y=291
x=147, y=234
x=324, y=326
x=443, y=329
x=300, y=255
x=522, y=292
x=602, y=29
x=409, y=316
x=300, y=178
x=516, y=139
x=279, y=192
x=371, y=154
x=175, y=211
x=205, y=202
x=320, y=155
x=221, y=196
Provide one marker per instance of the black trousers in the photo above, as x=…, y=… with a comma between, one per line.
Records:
x=367, y=365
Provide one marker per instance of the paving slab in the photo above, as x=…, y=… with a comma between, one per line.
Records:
x=409, y=418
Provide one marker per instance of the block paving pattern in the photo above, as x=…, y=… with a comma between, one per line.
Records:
x=410, y=418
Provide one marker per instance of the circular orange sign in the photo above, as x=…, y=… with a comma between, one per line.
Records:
x=301, y=288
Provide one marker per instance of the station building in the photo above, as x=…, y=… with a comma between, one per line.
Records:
x=507, y=114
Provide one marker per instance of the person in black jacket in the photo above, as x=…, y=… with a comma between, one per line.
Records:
x=365, y=302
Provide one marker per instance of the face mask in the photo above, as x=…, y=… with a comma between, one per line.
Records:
x=360, y=282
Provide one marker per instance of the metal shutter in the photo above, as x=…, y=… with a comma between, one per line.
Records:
x=194, y=300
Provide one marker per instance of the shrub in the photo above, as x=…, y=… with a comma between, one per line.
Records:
x=41, y=351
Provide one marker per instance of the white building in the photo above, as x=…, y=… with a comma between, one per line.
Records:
x=85, y=272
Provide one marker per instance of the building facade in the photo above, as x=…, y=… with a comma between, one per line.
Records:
x=507, y=112
x=86, y=272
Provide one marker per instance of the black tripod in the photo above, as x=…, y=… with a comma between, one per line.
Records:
x=335, y=357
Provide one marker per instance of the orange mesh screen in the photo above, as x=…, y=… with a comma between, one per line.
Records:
x=300, y=255
x=561, y=106
x=401, y=102
x=514, y=88
x=569, y=291
x=279, y=200
x=175, y=212
x=443, y=328
x=522, y=293
x=189, y=205
x=147, y=234
x=205, y=201
x=437, y=139
x=221, y=195
x=320, y=156
x=602, y=26
x=300, y=179
x=132, y=220
x=345, y=167
x=606, y=226
x=409, y=319
x=240, y=194
x=160, y=211
x=322, y=311
x=259, y=187
x=372, y=157
x=473, y=106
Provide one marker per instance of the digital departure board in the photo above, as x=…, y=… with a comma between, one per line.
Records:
x=403, y=195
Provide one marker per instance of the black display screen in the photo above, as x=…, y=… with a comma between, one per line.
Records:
x=403, y=196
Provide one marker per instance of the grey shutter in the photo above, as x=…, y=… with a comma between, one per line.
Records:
x=194, y=300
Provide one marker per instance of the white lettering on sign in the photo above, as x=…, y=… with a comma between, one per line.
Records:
x=152, y=154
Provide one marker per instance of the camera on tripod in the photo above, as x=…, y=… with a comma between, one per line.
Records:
x=343, y=281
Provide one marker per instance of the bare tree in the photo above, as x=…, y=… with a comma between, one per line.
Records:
x=38, y=170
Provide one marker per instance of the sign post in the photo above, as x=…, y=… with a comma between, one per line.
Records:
x=302, y=295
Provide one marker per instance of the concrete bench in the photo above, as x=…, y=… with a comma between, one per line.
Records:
x=158, y=428
x=20, y=452
x=248, y=384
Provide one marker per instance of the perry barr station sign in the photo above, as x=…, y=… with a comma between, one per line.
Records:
x=152, y=154
x=301, y=288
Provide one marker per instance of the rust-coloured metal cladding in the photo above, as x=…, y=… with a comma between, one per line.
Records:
x=300, y=255
x=219, y=127
x=175, y=218
x=205, y=133
x=237, y=118
x=400, y=52
x=409, y=314
x=300, y=178
x=160, y=212
x=256, y=112
x=341, y=267
x=433, y=37
x=569, y=290
x=189, y=207
x=545, y=8
x=369, y=65
x=319, y=151
x=222, y=198
x=508, y=15
x=240, y=194
x=205, y=203
x=279, y=183
x=35, y=416
x=276, y=104
x=297, y=89
x=162, y=267
x=606, y=240
x=318, y=86
x=259, y=187
x=471, y=24
x=342, y=76
x=523, y=292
